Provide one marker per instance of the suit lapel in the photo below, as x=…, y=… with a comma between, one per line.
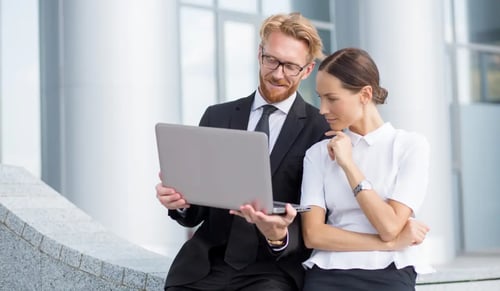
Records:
x=294, y=123
x=241, y=113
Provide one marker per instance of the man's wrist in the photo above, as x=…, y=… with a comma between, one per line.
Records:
x=182, y=212
x=278, y=242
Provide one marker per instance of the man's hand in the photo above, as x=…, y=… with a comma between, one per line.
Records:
x=273, y=227
x=170, y=198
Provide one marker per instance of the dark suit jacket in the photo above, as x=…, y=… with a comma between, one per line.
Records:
x=303, y=127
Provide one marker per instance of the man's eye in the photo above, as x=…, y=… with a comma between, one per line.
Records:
x=272, y=60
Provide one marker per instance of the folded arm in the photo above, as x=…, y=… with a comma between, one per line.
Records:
x=390, y=216
x=319, y=235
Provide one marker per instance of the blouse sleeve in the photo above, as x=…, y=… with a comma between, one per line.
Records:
x=312, y=179
x=413, y=172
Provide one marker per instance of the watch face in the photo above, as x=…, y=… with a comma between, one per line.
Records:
x=363, y=185
x=366, y=185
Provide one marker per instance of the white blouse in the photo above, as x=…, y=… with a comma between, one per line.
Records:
x=396, y=162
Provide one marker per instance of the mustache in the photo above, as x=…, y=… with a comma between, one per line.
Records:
x=279, y=82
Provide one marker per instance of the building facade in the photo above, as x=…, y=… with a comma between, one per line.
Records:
x=84, y=81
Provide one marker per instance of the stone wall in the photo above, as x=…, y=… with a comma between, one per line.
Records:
x=47, y=243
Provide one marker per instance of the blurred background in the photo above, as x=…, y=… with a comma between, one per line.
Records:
x=83, y=82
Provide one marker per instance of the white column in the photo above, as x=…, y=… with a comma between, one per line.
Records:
x=19, y=85
x=119, y=77
x=406, y=40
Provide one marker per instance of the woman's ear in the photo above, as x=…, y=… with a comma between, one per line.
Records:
x=366, y=94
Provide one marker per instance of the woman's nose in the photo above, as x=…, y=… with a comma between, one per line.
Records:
x=322, y=108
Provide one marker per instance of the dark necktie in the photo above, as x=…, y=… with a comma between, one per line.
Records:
x=263, y=123
x=242, y=244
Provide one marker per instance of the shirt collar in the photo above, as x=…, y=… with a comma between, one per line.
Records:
x=284, y=106
x=372, y=137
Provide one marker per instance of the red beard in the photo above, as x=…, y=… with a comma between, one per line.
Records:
x=273, y=95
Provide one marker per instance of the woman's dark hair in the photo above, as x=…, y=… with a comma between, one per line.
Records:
x=355, y=69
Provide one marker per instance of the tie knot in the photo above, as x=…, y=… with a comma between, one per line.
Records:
x=268, y=109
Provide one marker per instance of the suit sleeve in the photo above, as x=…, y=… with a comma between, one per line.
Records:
x=193, y=216
x=205, y=118
x=295, y=241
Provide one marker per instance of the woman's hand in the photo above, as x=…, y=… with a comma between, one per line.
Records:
x=413, y=233
x=340, y=147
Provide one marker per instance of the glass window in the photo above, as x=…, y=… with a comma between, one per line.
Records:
x=240, y=59
x=492, y=63
x=276, y=6
x=249, y=6
x=485, y=77
x=198, y=72
x=308, y=86
x=476, y=65
x=317, y=10
x=483, y=20
x=219, y=51
x=199, y=2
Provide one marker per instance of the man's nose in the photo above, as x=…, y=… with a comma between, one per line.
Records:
x=279, y=72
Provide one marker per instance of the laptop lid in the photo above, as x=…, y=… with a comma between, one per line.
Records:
x=217, y=167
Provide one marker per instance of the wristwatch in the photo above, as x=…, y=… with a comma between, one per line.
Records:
x=276, y=243
x=363, y=185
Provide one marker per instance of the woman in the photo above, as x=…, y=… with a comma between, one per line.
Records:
x=365, y=185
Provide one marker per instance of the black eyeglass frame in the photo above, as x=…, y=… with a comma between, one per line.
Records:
x=282, y=64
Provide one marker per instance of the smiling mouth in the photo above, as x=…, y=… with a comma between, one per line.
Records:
x=276, y=84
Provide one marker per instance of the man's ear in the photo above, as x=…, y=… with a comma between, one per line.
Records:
x=308, y=70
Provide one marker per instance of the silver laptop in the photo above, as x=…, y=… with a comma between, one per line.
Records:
x=218, y=167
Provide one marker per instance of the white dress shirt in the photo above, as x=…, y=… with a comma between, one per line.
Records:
x=276, y=119
x=396, y=162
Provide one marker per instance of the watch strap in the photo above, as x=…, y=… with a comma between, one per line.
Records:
x=363, y=185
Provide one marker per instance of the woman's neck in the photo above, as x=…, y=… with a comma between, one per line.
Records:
x=370, y=122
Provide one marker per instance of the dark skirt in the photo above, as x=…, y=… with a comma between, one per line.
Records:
x=388, y=279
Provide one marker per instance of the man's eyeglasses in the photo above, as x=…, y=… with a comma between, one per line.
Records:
x=289, y=69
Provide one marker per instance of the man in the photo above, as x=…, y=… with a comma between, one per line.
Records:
x=289, y=45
